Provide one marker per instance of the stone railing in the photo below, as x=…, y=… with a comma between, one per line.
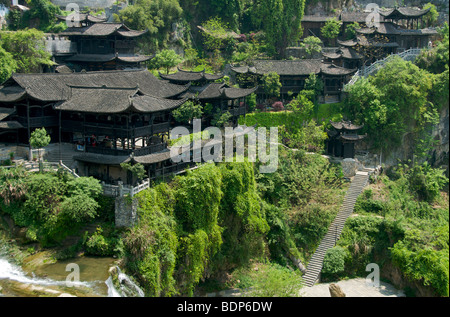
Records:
x=121, y=190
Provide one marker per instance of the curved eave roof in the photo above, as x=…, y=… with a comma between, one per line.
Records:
x=6, y=112
x=348, y=43
x=235, y=93
x=345, y=125
x=187, y=76
x=115, y=100
x=103, y=29
x=101, y=159
x=403, y=12
x=333, y=70
x=56, y=86
x=11, y=93
x=82, y=17
x=351, y=137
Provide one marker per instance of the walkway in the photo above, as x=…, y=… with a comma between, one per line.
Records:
x=353, y=288
x=334, y=231
x=408, y=55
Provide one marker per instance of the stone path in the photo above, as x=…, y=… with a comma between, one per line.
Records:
x=353, y=288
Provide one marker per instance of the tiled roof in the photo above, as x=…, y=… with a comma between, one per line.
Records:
x=103, y=58
x=103, y=29
x=302, y=67
x=6, y=112
x=83, y=17
x=348, y=43
x=153, y=158
x=331, y=69
x=221, y=90
x=114, y=100
x=315, y=18
x=403, y=12
x=101, y=158
x=188, y=76
x=359, y=17
x=345, y=125
x=56, y=87
x=286, y=67
x=9, y=125
x=11, y=94
x=349, y=53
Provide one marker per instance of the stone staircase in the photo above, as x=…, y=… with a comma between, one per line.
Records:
x=66, y=156
x=329, y=241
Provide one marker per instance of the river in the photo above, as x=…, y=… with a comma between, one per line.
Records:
x=82, y=277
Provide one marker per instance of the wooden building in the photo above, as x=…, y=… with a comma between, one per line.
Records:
x=109, y=117
x=206, y=89
x=102, y=46
x=293, y=74
x=342, y=139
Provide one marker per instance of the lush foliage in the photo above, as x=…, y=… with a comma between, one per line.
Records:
x=50, y=205
x=188, y=111
x=312, y=44
x=401, y=223
x=205, y=222
x=331, y=29
x=280, y=21
x=271, y=84
x=27, y=49
x=156, y=16
x=7, y=64
x=166, y=59
x=392, y=102
x=41, y=15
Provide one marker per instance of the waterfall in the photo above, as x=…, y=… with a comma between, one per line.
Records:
x=126, y=286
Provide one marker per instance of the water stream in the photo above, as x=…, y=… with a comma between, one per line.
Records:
x=50, y=279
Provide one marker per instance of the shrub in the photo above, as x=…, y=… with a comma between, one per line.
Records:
x=334, y=261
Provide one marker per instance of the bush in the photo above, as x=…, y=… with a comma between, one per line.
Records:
x=334, y=261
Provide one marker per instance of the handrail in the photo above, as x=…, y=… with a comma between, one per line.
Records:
x=369, y=70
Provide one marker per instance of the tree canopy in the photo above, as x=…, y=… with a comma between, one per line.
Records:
x=27, y=47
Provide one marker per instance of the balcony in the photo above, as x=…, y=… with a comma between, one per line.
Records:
x=153, y=148
x=39, y=122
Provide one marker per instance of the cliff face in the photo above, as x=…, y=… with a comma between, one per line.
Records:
x=438, y=156
x=325, y=7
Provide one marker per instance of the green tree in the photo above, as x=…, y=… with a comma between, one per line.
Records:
x=41, y=15
x=156, y=16
x=315, y=84
x=350, y=30
x=334, y=261
x=166, y=59
x=7, y=64
x=27, y=47
x=281, y=22
x=137, y=170
x=432, y=16
x=271, y=84
x=312, y=44
x=331, y=29
x=39, y=139
x=188, y=111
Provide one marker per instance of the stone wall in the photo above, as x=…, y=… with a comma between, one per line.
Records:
x=94, y=4
x=19, y=151
x=125, y=212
